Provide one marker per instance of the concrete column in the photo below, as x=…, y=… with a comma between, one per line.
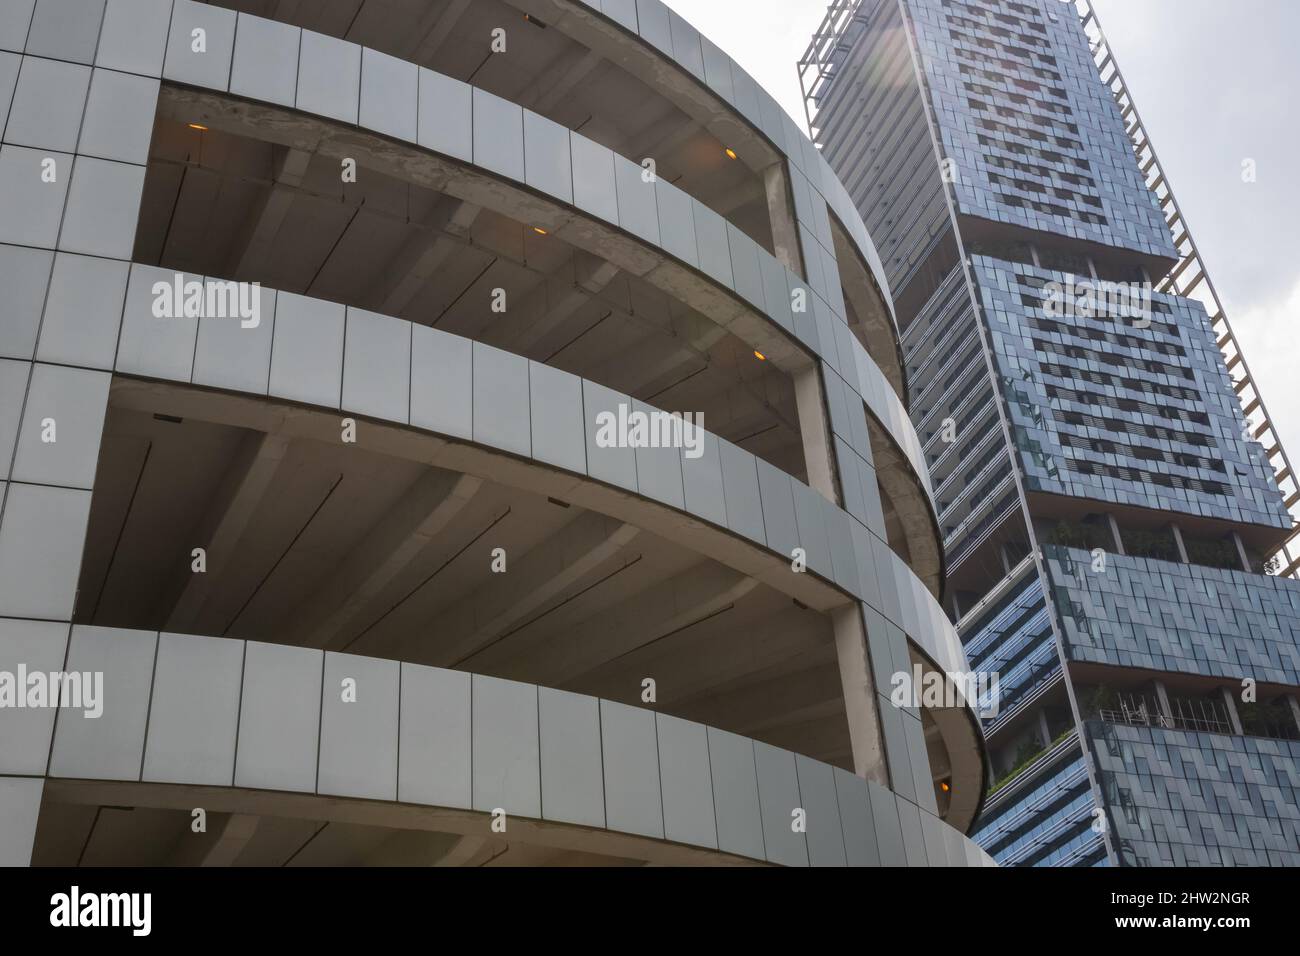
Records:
x=1043, y=732
x=815, y=429
x=780, y=210
x=1114, y=533
x=1241, y=552
x=860, y=697
x=1230, y=704
x=1294, y=703
x=1163, y=696
x=1178, y=540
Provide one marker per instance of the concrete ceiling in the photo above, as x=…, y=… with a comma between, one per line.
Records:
x=91, y=834
x=549, y=72
x=324, y=544
x=231, y=206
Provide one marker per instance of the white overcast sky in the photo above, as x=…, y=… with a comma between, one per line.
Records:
x=1216, y=82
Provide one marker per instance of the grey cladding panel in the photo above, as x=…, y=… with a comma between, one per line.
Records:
x=446, y=115
x=740, y=486
x=501, y=416
x=435, y=737
x=594, y=188
x=686, y=782
x=39, y=646
x=358, y=743
x=572, y=775
x=506, y=765
x=735, y=794
x=279, y=718
x=778, y=789
x=307, y=353
x=109, y=746
x=266, y=60
x=377, y=366
x=498, y=135
x=442, y=391
x=329, y=77
x=631, y=757
x=825, y=835
x=200, y=45
x=195, y=710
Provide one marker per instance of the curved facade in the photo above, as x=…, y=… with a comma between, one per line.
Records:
x=334, y=379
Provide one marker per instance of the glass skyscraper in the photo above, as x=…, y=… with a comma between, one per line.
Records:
x=1111, y=524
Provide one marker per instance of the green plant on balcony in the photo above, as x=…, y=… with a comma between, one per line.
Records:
x=1068, y=534
x=1264, y=718
x=1213, y=554
x=1097, y=699
x=1027, y=754
x=1151, y=544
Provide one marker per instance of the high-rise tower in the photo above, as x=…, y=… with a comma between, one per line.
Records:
x=1113, y=527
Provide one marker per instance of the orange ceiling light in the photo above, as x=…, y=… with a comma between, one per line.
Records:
x=731, y=153
x=760, y=356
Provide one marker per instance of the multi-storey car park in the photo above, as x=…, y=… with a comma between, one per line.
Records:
x=361, y=579
x=1115, y=531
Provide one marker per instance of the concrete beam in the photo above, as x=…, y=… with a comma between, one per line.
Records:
x=220, y=846
x=433, y=31
x=256, y=238
x=445, y=230
x=550, y=90
x=660, y=140
x=471, y=851
x=530, y=581
x=758, y=706
x=819, y=736
x=306, y=806
x=732, y=645
x=564, y=658
x=256, y=464
x=696, y=100
x=421, y=849
x=335, y=612
x=552, y=301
